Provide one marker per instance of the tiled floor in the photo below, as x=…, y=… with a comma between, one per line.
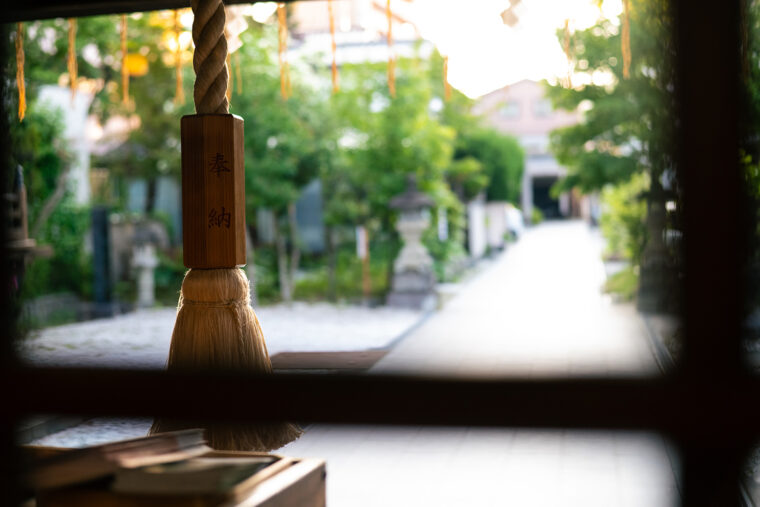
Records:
x=380, y=466
x=537, y=311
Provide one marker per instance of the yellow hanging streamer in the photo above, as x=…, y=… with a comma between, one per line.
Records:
x=238, y=73
x=179, y=91
x=567, y=53
x=625, y=40
x=282, y=32
x=229, y=77
x=446, y=85
x=20, y=71
x=72, y=57
x=124, y=69
x=391, y=56
x=335, y=84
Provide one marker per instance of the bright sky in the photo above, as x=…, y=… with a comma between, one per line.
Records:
x=485, y=54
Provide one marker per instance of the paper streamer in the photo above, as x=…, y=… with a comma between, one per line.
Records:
x=331, y=13
x=72, y=58
x=568, y=55
x=391, y=56
x=124, y=69
x=446, y=85
x=20, y=71
x=179, y=90
x=282, y=32
x=625, y=40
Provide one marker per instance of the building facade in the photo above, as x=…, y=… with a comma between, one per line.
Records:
x=522, y=110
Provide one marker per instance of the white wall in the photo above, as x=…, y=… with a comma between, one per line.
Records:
x=74, y=115
x=476, y=226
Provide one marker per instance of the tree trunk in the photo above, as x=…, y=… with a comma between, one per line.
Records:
x=366, y=280
x=282, y=262
x=332, y=264
x=51, y=203
x=295, y=250
x=150, y=195
x=250, y=265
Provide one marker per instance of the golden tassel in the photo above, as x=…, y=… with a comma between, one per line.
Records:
x=179, y=91
x=282, y=32
x=72, y=58
x=446, y=85
x=625, y=40
x=567, y=53
x=335, y=85
x=391, y=57
x=124, y=69
x=20, y=71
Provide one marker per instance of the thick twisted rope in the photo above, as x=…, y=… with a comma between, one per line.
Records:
x=210, y=57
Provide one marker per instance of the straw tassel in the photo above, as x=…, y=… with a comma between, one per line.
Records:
x=391, y=55
x=72, y=58
x=20, y=71
x=331, y=12
x=625, y=39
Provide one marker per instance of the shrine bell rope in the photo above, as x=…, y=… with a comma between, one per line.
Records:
x=331, y=13
x=124, y=68
x=391, y=56
x=72, y=57
x=282, y=36
x=20, y=71
x=210, y=59
x=625, y=39
x=216, y=327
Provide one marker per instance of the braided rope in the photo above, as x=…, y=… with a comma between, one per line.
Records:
x=210, y=57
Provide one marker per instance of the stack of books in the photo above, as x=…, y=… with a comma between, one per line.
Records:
x=174, y=468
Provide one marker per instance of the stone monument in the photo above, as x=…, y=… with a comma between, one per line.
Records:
x=413, y=283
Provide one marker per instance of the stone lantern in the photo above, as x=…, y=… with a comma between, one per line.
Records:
x=413, y=277
x=145, y=261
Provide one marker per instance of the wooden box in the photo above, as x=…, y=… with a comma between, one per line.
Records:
x=286, y=482
x=213, y=191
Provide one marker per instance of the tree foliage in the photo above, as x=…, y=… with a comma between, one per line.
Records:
x=627, y=122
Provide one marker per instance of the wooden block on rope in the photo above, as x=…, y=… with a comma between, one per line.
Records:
x=213, y=191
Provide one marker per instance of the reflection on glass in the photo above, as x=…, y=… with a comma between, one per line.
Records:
x=750, y=158
x=539, y=243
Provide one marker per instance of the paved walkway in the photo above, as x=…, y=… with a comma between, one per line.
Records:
x=535, y=311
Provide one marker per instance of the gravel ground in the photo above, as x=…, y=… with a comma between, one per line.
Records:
x=141, y=339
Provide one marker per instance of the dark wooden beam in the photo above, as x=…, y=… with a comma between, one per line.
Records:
x=47, y=9
x=721, y=412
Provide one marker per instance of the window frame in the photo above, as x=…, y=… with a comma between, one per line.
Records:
x=702, y=405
